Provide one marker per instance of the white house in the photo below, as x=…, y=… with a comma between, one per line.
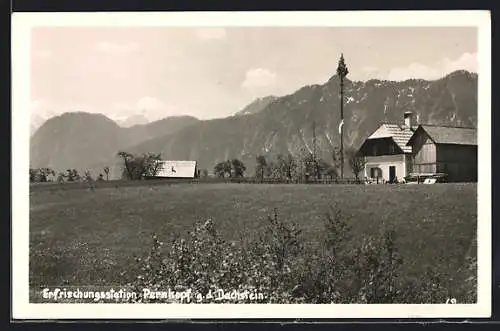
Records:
x=387, y=156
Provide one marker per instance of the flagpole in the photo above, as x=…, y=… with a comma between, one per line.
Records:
x=342, y=71
x=342, y=127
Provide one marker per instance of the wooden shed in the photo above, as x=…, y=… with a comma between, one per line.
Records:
x=178, y=169
x=445, y=149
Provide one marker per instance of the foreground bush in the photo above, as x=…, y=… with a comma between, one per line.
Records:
x=286, y=269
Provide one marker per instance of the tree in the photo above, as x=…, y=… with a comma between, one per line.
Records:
x=137, y=167
x=274, y=169
x=238, y=168
x=106, y=171
x=33, y=175
x=331, y=172
x=356, y=162
x=290, y=166
x=227, y=166
x=342, y=71
x=260, y=169
x=220, y=169
x=314, y=161
x=336, y=159
x=60, y=177
x=325, y=169
x=72, y=175
x=88, y=176
x=127, y=168
x=41, y=175
x=151, y=164
x=283, y=168
x=88, y=179
x=310, y=166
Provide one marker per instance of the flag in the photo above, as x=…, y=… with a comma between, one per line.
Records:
x=341, y=124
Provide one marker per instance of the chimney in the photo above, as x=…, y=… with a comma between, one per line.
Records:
x=408, y=116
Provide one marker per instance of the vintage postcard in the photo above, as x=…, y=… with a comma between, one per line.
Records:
x=251, y=165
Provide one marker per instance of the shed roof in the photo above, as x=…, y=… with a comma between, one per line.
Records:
x=449, y=135
x=177, y=169
x=401, y=134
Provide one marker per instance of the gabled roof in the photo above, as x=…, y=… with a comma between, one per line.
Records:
x=401, y=134
x=177, y=169
x=449, y=135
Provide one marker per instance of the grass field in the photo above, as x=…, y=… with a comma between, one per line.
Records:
x=83, y=237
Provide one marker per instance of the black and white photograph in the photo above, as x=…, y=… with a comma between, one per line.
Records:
x=251, y=165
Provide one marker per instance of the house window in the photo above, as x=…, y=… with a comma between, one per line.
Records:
x=376, y=173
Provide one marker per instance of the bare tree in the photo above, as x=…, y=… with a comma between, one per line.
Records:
x=88, y=176
x=260, y=169
x=356, y=162
x=336, y=159
x=315, y=162
x=106, y=171
x=89, y=180
x=127, y=159
x=290, y=166
x=60, y=177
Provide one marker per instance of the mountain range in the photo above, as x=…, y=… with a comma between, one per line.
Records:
x=268, y=126
x=256, y=106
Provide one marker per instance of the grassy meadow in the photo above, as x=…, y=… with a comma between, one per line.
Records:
x=85, y=237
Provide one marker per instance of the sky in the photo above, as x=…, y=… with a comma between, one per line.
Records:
x=215, y=72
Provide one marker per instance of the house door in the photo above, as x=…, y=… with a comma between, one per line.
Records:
x=392, y=173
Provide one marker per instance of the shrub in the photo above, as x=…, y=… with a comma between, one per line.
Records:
x=278, y=263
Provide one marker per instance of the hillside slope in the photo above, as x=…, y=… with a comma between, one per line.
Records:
x=283, y=125
x=82, y=140
x=256, y=106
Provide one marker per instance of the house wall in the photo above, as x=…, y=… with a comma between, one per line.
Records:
x=383, y=162
x=459, y=162
x=424, y=149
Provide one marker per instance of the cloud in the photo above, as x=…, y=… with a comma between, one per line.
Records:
x=414, y=70
x=369, y=72
x=211, y=33
x=41, y=108
x=107, y=47
x=369, y=69
x=150, y=107
x=466, y=61
x=149, y=103
x=258, y=78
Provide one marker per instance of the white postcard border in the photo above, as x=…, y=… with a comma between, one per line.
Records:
x=22, y=23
